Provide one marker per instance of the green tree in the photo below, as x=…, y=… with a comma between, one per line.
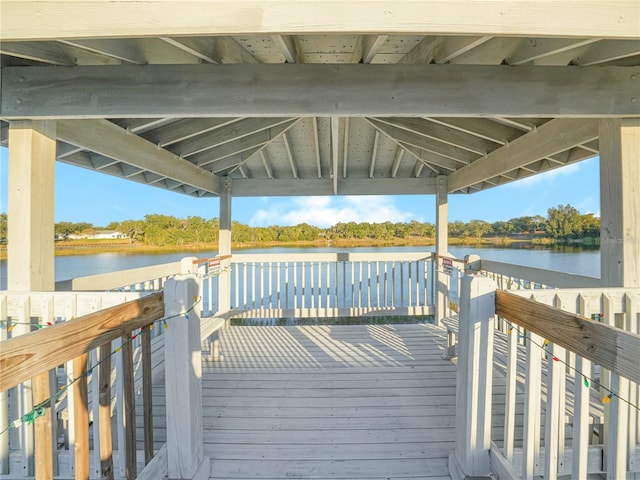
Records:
x=563, y=222
x=590, y=225
x=3, y=228
x=477, y=229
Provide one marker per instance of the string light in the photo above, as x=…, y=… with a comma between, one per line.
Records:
x=586, y=381
x=41, y=409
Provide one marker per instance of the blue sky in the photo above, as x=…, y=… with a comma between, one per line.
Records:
x=86, y=196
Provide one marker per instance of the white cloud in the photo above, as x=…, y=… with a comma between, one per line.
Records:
x=546, y=177
x=327, y=211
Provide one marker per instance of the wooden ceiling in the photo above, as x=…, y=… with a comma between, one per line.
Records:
x=288, y=98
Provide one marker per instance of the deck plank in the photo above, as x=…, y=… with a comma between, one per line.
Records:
x=337, y=402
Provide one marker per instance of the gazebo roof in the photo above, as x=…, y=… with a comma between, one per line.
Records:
x=323, y=97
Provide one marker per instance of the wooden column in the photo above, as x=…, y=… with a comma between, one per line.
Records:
x=30, y=264
x=32, y=155
x=442, y=247
x=619, y=255
x=183, y=377
x=620, y=202
x=474, y=377
x=224, y=246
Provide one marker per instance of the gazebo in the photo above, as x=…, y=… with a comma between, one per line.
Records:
x=293, y=98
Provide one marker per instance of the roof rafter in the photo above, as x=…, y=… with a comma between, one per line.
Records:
x=231, y=132
x=554, y=136
x=112, y=141
x=424, y=143
x=248, y=142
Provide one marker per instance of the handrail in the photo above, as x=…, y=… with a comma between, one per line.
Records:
x=331, y=257
x=26, y=356
x=113, y=280
x=605, y=345
x=539, y=275
x=198, y=261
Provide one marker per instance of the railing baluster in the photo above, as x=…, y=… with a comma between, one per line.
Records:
x=147, y=394
x=554, y=417
x=120, y=414
x=104, y=413
x=81, y=418
x=278, y=303
x=632, y=313
x=368, y=285
x=25, y=433
x=531, y=435
x=94, y=395
x=4, y=403
x=254, y=284
x=511, y=393
x=129, y=410
x=393, y=284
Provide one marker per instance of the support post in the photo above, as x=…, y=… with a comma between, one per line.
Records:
x=474, y=379
x=224, y=246
x=183, y=377
x=32, y=155
x=619, y=255
x=620, y=202
x=442, y=248
x=30, y=264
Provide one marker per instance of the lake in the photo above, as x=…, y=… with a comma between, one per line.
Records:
x=560, y=258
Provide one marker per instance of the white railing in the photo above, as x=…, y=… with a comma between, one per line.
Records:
x=578, y=418
x=21, y=313
x=143, y=279
x=331, y=284
x=515, y=277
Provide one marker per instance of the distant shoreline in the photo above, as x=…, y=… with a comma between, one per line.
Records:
x=65, y=248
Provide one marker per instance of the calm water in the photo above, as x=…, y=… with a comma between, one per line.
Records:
x=564, y=259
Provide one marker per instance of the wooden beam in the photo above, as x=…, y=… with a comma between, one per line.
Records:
x=554, y=136
x=310, y=187
x=242, y=145
x=422, y=142
x=27, y=355
x=287, y=46
x=604, y=345
x=46, y=52
x=435, y=131
x=225, y=134
x=119, y=49
x=283, y=90
x=108, y=139
x=52, y=19
x=531, y=49
x=371, y=45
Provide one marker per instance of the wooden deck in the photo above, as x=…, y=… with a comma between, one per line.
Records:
x=338, y=402
x=330, y=402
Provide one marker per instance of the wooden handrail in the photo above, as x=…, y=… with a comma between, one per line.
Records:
x=198, y=261
x=605, y=345
x=24, y=357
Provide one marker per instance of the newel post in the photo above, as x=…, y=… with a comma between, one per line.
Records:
x=183, y=377
x=474, y=378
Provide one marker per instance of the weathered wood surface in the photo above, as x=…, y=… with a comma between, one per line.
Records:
x=605, y=345
x=251, y=90
x=27, y=355
x=371, y=401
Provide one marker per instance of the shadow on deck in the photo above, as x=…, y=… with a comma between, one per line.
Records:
x=339, y=402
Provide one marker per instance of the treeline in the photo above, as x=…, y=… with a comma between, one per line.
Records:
x=562, y=222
